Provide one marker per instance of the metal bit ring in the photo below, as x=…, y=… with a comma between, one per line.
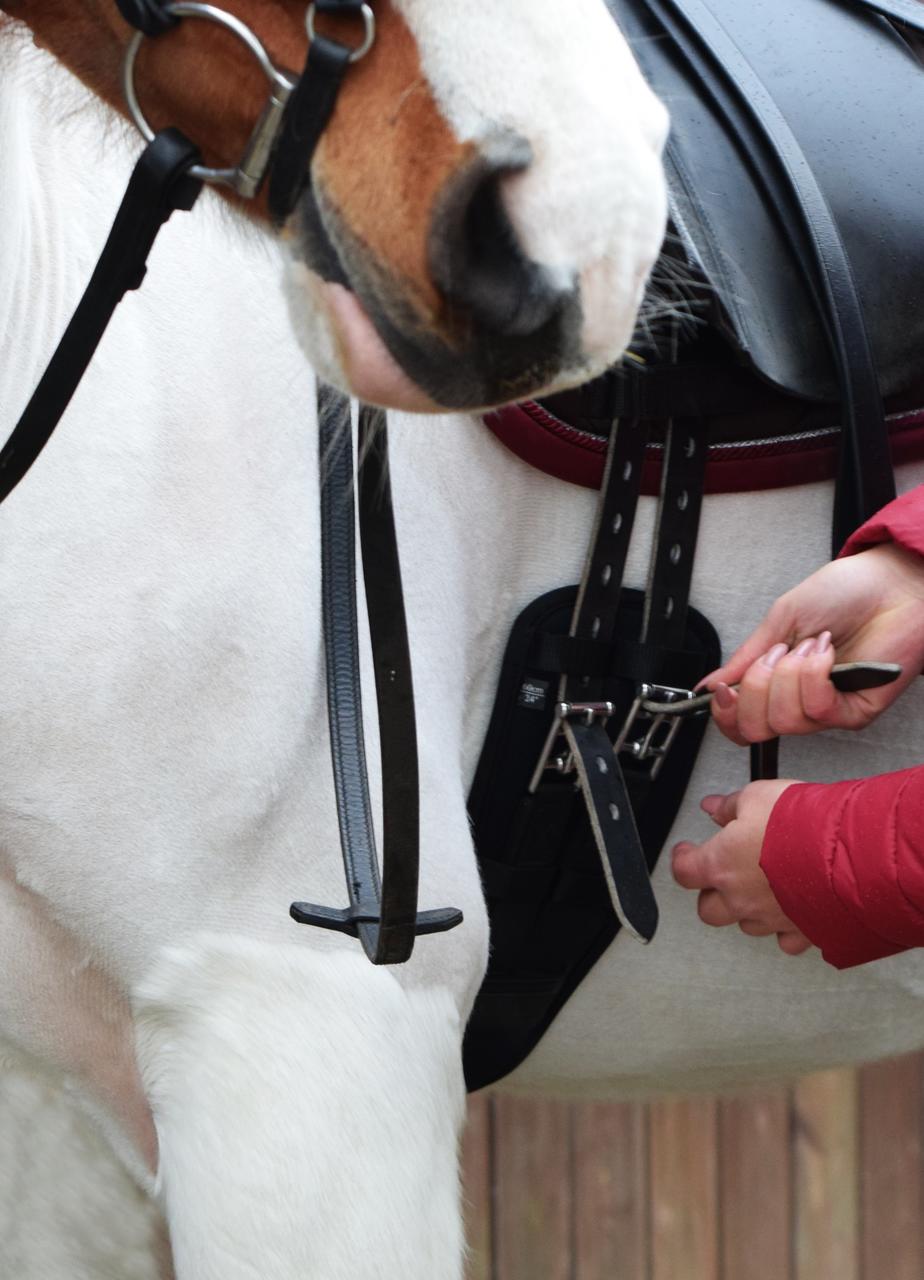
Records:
x=368, y=18
x=280, y=82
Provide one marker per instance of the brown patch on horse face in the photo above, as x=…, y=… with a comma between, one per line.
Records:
x=387, y=148
x=199, y=78
x=385, y=159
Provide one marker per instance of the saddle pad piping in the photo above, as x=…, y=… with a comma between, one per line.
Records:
x=569, y=453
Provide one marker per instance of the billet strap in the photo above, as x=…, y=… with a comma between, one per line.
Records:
x=596, y=613
x=383, y=908
x=615, y=832
x=597, y=610
x=160, y=184
x=865, y=481
x=594, y=626
x=683, y=479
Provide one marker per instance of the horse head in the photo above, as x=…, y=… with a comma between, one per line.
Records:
x=483, y=209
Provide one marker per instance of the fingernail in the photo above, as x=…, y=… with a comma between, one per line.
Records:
x=823, y=643
x=724, y=698
x=805, y=648
x=709, y=804
x=706, y=681
x=772, y=658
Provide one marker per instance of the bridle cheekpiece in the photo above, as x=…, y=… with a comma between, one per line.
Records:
x=310, y=97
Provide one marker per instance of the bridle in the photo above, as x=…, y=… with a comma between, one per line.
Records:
x=297, y=110
x=168, y=177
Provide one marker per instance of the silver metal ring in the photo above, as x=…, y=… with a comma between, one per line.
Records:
x=280, y=82
x=368, y=18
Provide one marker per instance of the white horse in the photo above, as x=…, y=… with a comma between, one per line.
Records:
x=164, y=766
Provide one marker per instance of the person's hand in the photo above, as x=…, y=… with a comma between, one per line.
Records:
x=726, y=869
x=865, y=608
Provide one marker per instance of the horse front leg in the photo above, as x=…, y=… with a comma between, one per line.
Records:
x=308, y=1109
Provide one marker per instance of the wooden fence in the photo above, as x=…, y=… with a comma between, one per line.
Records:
x=822, y=1181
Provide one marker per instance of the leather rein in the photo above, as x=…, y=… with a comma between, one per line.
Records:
x=168, y=177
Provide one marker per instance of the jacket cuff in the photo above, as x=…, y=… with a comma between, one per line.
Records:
x=797, y=864
x=902, y=521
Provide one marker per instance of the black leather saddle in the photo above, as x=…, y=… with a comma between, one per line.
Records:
x=796, y=176
x=848, y=86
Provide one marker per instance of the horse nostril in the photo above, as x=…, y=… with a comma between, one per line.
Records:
x=476, y=259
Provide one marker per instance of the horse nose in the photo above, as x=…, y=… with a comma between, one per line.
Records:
x=476, y=260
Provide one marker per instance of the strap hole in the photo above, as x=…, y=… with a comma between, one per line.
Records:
x=617, y=523
x=683, y=501
x=669, y=608
x=690, y=447
x=595, y=628
x=676, y=553
x=627, y=471
x=606, y=575
x=602, y=765
x=614, y=812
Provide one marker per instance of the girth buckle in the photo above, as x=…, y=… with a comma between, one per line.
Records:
x=653, y=723
x=646, y=737
x=556, y=756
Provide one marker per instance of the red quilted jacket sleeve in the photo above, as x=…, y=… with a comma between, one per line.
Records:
x=846, y=861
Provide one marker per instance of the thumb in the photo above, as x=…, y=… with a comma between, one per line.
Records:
x=721, y=809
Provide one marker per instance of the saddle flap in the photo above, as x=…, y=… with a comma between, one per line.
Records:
x=852, y=92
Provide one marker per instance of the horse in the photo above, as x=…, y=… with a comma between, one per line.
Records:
x=193, y=1056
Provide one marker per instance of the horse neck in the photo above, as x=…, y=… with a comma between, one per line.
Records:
x=61, y=178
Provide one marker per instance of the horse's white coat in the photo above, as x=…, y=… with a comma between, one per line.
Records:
x=164, y=791
x=563, y=81
x=537, y=70
x=165, y=775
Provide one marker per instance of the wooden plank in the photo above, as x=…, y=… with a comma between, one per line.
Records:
x=611, y=1192
x=891, y=1175
x=756, y=1187
x=684, y=1190
x=477, y=1177
x=827, y=1217
x=534, y=1221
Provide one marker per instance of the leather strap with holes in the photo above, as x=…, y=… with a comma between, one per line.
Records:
x=682, y=483
x=597, y=607
x=596, y=612
x=595, y=620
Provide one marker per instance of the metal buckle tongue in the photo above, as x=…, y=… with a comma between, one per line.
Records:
x=654, y=721
x=647, y=734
